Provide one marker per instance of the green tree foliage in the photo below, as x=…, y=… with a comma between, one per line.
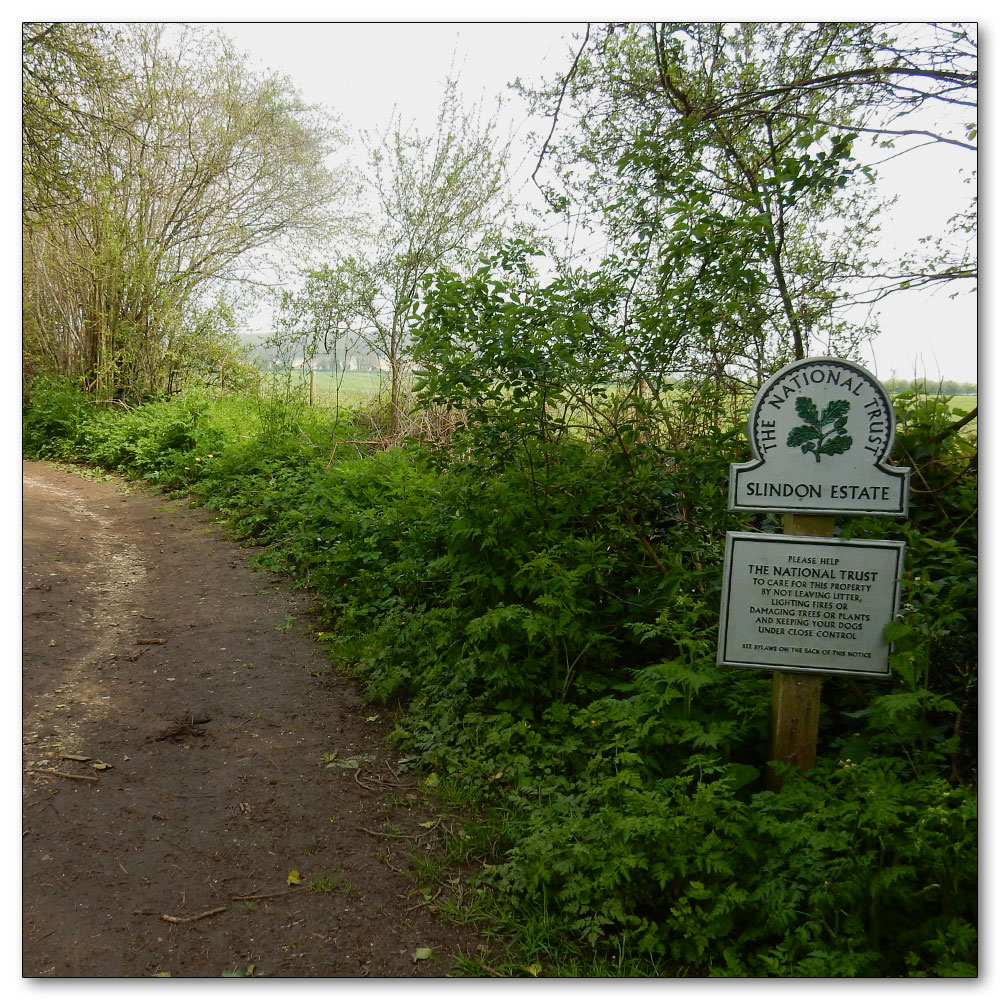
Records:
x=727, y=215
x=574, y=356
x=721, y=157
x=324, y=316
x=189, y=171
x=63, y=66
x=934, y=702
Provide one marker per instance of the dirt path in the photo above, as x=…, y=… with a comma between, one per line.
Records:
x=185, y=748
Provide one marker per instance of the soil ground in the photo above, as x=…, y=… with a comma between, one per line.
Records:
x=186, y=747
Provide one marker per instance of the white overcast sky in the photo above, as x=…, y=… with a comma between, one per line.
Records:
x=365, y=71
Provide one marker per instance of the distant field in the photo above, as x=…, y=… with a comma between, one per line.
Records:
x=331, y=387
x=356, y=387
x=350, y=387
x=964, y=403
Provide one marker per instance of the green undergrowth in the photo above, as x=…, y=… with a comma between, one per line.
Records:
x=543, y=613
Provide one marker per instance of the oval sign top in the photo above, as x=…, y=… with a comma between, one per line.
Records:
x=820, y=430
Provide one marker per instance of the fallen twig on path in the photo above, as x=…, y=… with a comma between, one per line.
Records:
x=390, y=784
x=197, y=916
x=52, y=772
x=382, y=833
x=358, y=781
x=264, y=895
x=399, y=836
x=424, y=902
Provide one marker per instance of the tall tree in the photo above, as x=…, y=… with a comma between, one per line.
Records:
x=432, y=200
x=438, y=199
x=191, y=171
x=721, y=159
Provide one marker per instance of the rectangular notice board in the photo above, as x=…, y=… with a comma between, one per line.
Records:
x=802, y=603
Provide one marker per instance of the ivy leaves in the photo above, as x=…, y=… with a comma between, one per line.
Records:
x=813, y=435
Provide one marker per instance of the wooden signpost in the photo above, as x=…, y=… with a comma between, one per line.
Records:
x=805, y=604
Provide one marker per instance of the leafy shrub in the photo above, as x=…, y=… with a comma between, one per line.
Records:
x=55, y=411
x=548, y=625
x=930, y=715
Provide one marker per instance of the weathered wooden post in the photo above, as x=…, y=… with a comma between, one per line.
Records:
x=805, y=604
x=795, y=697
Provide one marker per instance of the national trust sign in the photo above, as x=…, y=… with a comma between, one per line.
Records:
x=820, y=430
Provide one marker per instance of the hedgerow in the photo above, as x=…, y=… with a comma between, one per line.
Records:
x=542, y=610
